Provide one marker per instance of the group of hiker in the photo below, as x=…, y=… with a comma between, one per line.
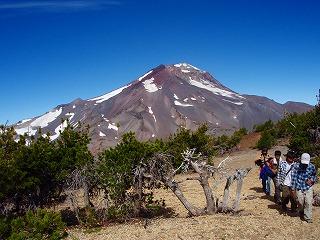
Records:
x=292, y=178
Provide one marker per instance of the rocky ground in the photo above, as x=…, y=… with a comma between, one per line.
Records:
x=259, y=218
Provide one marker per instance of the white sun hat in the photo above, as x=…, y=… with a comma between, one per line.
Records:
x=305, y=158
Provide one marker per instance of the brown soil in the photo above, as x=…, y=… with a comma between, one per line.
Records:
x=259, y=218
x=249, y=141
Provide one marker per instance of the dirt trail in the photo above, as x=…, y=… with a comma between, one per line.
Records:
x=260, y=217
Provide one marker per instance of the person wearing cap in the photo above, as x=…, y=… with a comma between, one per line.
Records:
x=304, y=176
x=283, y=181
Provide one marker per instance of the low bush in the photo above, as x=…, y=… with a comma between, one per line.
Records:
x=5, y=227
x=89, y=217
x=267, y=140
x=38, y=225
x=119, y=213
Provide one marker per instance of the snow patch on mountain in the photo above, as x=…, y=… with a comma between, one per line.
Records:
x=101, y=134
x=175, y=96
x=142, y=77
x=236, y=103
x=214, y=89
x=58, y=130
x=28, y=130
x=109, y=95
x=185, y=65
x=70, y=115
x=151, y=112
x=177, y=103
x=24, y=121
x=47, y=118
x=150, y=86
x=112, y=126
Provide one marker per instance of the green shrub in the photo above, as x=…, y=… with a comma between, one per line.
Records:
x=5, y=227
x=267, y=140
x=186, y=139
x=89, y=218
x=38, y=225
x=119, y=213
x=316, y=162
x=268, y=125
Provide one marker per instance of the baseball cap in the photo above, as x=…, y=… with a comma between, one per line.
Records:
x=305, y=158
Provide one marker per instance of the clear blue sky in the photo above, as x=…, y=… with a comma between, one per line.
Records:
x=52, y=52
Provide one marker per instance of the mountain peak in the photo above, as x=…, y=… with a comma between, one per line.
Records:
x=186, y=66
x=158, y=103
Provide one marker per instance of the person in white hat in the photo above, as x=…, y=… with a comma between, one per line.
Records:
x=303, y=178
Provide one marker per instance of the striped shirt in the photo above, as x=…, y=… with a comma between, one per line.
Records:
x=283, y=172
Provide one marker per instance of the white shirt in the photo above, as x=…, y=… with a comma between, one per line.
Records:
x=276, y=162
x=287, y=180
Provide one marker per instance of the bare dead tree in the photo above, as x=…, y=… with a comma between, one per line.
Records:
x=205, y=171
x=229, y=182
x=160, y=171
x=138, y=187
x=78, y=179
x=238, y=176
x=74, y=182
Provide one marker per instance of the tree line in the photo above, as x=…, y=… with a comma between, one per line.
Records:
x=36, y=174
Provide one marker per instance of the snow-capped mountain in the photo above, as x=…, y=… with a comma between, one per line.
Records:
x=157, y=104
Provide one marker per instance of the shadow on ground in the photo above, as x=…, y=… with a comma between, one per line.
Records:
x=257, y=189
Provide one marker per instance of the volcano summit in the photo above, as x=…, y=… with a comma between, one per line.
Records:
x=158, y=103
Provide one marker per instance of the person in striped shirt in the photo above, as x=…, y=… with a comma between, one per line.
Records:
x=284, y=181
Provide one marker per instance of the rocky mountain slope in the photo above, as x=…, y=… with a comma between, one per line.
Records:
x=157, y=104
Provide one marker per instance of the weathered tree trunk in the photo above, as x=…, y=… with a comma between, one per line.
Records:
x=86, y=197
x=106, y=199
x=226, y=193
x=211, y=207
x=204, y=182
x=75, y=207
x=193, y=211
x=238, y=194
x=240, y=175
x=138, y=192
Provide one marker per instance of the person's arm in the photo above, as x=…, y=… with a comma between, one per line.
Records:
x=312, y=176
x=294, y=177
x=270, y=172
x=278, y=177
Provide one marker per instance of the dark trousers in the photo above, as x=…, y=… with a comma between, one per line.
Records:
x=277, y=191
x=286, y=197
